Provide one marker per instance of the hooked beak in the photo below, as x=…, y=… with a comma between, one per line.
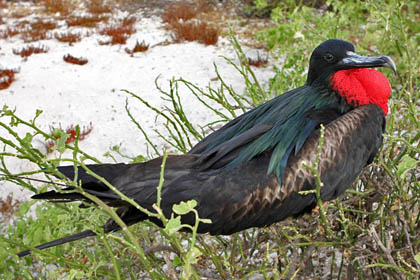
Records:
x=353, y=60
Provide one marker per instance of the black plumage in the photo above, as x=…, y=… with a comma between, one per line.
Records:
x=249, y=173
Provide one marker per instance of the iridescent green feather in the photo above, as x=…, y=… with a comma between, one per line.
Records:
x=291, y=125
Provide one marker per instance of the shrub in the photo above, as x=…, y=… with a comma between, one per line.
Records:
x=75, y=60
x=195, y=31
x=38, y=30
x=63, y=7
x=117, y=29
x=178, y=17
x=128, y=22
x=181, y=10
x=259, y=61
x=8, y=32
x=6, y=77
x=9, y=206
x=119, y=32
x=139, y=47
x=68, y=37
x=184, y=11
x=86, y=21
x=120, y=39
x=29, y=50
x=98, y=7
x=68, y=135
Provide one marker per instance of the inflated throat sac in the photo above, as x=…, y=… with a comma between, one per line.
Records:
x=362, y=86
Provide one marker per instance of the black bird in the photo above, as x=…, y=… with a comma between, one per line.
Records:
x=249, y=172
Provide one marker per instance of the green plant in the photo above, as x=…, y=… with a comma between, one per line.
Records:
x=370, y=233
x=55, y=220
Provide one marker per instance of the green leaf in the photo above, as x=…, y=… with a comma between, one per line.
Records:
x=138, y=159
x=406, y=164
x=173, y=225
x=38, y=234
x=7, y=111
x=76, y=274
x=260, y=4
x=61, y=137
x=184, y=207
x=205, y=221
x=177, y=261
x=193, y=255
x=28, y=138
x=24, y=208
x=192, y=203
x=417, y=258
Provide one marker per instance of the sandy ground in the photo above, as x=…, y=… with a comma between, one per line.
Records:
x=70, y=94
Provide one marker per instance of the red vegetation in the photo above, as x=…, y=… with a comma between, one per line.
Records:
x=29, y=50
x=98, y=7
x=119, y=32
x=116, y=39
x=6, y=77
x=195, y=31
x=74, y=60
x=178, y=15
x=38, y=30
x=9, y=32
x=125, y=27
x=9, y=206
x=71, y=131
x=139, y=47
x=183, y=11
x=86, y=21
x=177, y=11
x=2, y=5
x=64, y=7
x=128, y=22
x=68, y=37
x=259, y=61
x=43, y=25
x=22, y=24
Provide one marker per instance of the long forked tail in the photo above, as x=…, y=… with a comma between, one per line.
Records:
x=60, y=241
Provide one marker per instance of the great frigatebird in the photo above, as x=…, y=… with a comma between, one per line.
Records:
x=250, y=172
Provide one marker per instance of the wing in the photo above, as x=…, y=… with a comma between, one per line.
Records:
x=140, y=179
x=281, y=125
x=245, y=196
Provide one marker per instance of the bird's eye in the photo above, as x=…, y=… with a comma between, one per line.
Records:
x=329, y=57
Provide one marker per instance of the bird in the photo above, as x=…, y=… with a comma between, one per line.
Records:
x=252, y=172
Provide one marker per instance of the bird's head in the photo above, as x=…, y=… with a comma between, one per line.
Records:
x=335, y=64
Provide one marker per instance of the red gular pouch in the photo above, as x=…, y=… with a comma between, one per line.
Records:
x=362, y=86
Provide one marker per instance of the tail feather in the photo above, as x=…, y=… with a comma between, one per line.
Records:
x=60, y=241
x=56, y=195
x=135, y=180
x=73, y=196
x=107, y=171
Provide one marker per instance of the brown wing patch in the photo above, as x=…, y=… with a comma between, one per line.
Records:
x=336, y=147
x=335, y=152
x=264, y=196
